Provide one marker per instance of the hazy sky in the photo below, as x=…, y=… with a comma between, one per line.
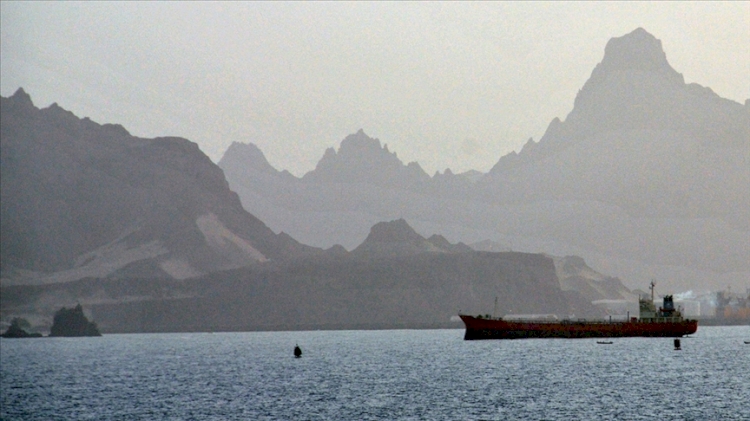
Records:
x=449, y=85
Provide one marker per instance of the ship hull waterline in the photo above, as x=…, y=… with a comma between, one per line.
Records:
x=477, y=328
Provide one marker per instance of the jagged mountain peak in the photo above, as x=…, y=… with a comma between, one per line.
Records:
x=19, y=104
x=359, y=146
x=358, y=142
x=362, y=159
x=634, y=67
x=393, y=238
x=634, y=88
x=443, y=244
x=20, y=96
x=398, y=238
x=246, y=150
x=246, y=155
x=635, y=50
x=393, y=231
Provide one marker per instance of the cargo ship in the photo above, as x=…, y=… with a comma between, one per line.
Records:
x=667, y=321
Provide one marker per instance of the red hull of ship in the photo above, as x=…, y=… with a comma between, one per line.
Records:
x=504, y=329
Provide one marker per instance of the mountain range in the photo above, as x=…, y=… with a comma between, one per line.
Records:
x=146, y=235
x=646, y=178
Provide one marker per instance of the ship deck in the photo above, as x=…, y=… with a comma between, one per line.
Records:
x=499, y=328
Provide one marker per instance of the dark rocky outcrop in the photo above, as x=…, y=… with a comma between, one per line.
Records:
x=72, y=322
x=16, y=330
x=397, y=238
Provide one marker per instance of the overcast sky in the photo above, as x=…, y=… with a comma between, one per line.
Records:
x=449, y=85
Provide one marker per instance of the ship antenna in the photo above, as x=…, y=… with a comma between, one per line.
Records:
x=651, y=287
x=494, y=311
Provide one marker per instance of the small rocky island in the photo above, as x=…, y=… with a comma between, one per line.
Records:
x=67, y=322
x=72, y=322
x=16, y=329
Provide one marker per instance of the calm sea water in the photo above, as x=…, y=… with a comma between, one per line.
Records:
x=383, y=375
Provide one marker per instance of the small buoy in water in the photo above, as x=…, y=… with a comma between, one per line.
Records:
x=297, y=351
x=677, y=345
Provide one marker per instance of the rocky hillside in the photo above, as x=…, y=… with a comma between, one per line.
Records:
x=575, y=275
x=395, y=279
x=82, y=199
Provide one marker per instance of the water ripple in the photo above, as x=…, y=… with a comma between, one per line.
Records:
x=374, y=375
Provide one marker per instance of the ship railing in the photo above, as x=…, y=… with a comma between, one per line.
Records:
x=673, y=319
x=583, y=321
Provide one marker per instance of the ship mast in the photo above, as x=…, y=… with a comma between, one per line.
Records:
x=651, y=287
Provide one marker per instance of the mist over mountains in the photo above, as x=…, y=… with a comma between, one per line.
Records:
x=646, y=178
x=146, y=236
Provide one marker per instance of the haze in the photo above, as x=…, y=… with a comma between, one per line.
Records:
x=449, y=85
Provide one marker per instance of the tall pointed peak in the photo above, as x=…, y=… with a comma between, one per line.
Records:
x=361, y=158
x=358, y=141
x=395, y=230
x=20, y=94
x=248, y=151
x=245, y=155
x=21, y=98
x=634, y=68
x=392, y=237
x=635, y=50
x=398, y=238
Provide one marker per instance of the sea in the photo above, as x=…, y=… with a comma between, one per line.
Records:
x=375, y=375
